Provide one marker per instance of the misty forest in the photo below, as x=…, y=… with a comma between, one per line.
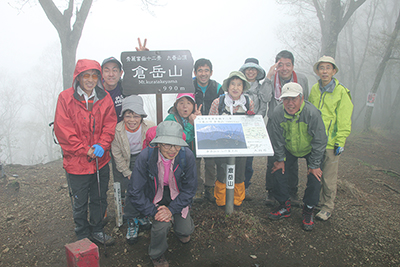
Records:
x=362, y=35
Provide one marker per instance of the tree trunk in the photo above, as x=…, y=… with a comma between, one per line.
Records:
x=381, y=69
x=391, y=121
x=332, y=19
x=69, y=37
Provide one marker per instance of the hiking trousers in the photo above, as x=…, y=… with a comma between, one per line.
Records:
x=183, y=227
x=85, y=192
x=281, y=188
x=329, y=169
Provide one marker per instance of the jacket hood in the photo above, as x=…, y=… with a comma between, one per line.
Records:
x=84, y=65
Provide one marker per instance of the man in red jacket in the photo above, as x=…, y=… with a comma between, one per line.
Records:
x=84, y=124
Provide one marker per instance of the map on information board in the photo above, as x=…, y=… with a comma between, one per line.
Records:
x=231, y=136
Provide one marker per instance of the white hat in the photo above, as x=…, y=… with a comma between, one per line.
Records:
x=291, y=90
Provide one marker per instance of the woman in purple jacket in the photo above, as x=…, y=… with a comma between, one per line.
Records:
x=163, y=184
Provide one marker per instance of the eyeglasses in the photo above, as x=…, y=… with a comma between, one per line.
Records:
x=168, y=146
x=290, y=99
x=325, y=68
x=87, y=76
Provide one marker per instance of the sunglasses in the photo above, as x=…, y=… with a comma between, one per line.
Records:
x=87, y=76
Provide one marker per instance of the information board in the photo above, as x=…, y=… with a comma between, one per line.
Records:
x=231, y=136
x=157, y=72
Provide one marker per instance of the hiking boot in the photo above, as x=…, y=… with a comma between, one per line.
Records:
x=247, y=196
x=160, y=262
x=184, y=239
x=323, y=215
x=270, y=201
x=282, y=211
x=132, y=231
x=144, y=223
x=98, y=238
x=209, y=193
x=308, y=218
x=295, y=201
x=198, y=197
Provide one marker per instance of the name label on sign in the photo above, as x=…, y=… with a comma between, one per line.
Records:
x=157, y=72
x=230, y=178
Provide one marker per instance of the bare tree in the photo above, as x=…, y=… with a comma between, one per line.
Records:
x=69, y=37
x=391, y=121
x=381, y=70
x=9, y=112
x=43, y=101
x=332, y=16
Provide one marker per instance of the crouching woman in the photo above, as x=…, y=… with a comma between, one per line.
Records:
x=162, y=185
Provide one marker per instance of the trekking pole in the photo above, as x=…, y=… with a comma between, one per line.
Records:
x=101, y=208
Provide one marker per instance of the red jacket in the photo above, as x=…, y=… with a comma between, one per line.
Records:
x=77, y=128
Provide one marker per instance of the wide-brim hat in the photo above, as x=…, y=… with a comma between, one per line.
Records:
x=291, y=90
x=253, y=63
x=169, y=132
x=238, y=74
x=134, y=103
x=326, y=59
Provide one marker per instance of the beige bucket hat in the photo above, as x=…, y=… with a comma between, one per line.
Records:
x=326, y=59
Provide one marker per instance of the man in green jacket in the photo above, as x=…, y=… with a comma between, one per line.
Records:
x=334, y=102
x=297, y=131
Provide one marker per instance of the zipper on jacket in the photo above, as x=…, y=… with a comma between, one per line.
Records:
x=330, y=124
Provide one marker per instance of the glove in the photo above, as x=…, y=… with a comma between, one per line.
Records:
x=250, y=113
x=338, y=149
x=98, y=150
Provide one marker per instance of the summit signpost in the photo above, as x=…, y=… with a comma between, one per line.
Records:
x=157, y=72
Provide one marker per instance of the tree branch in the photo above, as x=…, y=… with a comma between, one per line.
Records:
x=320, y=16
x=352, y=8
x=52, y=13
x=81, y=16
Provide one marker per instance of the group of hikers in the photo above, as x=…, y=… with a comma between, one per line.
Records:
x=156, y=166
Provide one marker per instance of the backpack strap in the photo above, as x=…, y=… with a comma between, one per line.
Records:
x=247, y=105
x=221, y=105
x=182, y=161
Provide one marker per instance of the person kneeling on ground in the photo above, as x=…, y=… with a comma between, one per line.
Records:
x=162, y=185
x=297, y=131
x=126, y=146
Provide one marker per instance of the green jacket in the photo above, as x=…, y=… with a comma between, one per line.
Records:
x=336, y=109
x=300, y=134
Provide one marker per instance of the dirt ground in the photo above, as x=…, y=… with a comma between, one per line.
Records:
x=36, y=220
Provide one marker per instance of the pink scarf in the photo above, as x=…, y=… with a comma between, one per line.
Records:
x=278, y=86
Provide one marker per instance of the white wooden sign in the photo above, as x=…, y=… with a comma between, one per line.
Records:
x=232, y=136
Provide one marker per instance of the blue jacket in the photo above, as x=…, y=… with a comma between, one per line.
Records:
x=143, y=185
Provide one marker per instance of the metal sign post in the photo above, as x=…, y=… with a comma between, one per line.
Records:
x=230, y=185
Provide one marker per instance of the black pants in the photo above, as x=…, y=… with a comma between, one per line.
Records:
x=293, y=174
x=281, y=181
x=85, y=192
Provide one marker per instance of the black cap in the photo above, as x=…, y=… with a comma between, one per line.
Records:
x=111, y=59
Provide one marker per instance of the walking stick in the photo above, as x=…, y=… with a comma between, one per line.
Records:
x=101, y=208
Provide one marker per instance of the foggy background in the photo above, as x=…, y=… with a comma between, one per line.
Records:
x=226, y=32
